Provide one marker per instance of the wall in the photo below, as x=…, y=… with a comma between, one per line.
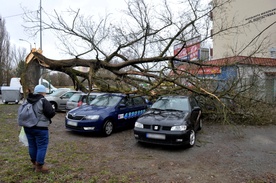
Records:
x=257, y=15
x=265, y=88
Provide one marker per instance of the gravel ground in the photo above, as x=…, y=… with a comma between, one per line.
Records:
x=221, y=154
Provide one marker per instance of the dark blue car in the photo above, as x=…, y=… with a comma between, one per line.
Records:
x=106, y=113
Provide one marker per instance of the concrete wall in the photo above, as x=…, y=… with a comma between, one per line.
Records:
x=252, y=17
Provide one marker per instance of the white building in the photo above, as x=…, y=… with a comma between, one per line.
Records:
x=247, y=28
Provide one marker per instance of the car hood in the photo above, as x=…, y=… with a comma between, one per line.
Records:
x=88, y=110
x=163, y=117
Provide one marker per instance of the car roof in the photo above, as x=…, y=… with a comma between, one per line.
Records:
x=61, y=91
x=79, y=93
x=174, y=96
x=103, y=93
x=122, y=94
x=95, y=93
x=92, y=93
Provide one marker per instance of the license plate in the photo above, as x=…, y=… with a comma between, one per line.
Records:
x=156, y=136
x=71, y=123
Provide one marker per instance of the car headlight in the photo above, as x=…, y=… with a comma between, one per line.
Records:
x=139, y=125
x=179, y=128
x=92, y=117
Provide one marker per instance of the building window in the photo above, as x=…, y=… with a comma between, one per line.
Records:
x=211, y=15
x=273, y=52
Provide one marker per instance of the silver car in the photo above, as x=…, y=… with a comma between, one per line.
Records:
x=79, y=99
x=59, y=98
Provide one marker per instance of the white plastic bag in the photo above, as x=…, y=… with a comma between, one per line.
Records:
x=22, y=137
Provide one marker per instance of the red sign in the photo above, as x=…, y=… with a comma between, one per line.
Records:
x=190, y=51
x=209, y=70
x=202, y=70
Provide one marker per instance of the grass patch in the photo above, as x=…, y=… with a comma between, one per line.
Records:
x=69, y=161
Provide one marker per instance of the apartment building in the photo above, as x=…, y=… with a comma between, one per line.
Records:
x=244, y=28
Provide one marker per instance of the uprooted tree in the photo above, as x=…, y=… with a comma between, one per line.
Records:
x=135, y=53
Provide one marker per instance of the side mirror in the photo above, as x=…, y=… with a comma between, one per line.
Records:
x=122, y=105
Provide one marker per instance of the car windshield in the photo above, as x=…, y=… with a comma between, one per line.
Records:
x=58, y=92
x=89, y=99
x=106, y=100
x=179, y=104
x=75, y=98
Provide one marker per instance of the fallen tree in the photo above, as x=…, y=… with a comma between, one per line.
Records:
x=133, y=55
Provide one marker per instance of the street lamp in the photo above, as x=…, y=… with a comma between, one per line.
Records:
x=27, y=42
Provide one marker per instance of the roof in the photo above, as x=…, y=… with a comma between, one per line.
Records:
x=242, y=60
x=214, y=66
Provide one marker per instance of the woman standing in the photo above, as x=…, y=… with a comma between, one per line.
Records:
x=38, y=135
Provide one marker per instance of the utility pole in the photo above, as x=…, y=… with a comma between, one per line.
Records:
x=40, y=11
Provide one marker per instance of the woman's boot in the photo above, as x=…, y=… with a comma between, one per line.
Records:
x=41, y=168
x=34, y=164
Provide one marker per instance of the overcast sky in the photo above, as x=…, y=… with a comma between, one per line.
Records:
x=12, y=11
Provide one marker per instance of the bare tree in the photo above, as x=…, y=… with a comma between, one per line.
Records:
x=11, y=59
x=5, y=64
x=18, y=60
x=134, y=50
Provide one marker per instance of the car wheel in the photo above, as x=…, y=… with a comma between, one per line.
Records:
x=108, y=128
x=200, y=124
x=192, y=138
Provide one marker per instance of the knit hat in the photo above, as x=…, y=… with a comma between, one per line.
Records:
x=39, y=89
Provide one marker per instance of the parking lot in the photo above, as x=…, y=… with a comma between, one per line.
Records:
x=221, y=154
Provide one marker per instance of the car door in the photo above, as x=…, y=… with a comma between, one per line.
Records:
x=139, y=107
x=124, y=112
x=130, y=109
x=64, y=99
x=195, y=112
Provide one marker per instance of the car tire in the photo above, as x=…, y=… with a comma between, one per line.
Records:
x=192, y=138
x=107, y=128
